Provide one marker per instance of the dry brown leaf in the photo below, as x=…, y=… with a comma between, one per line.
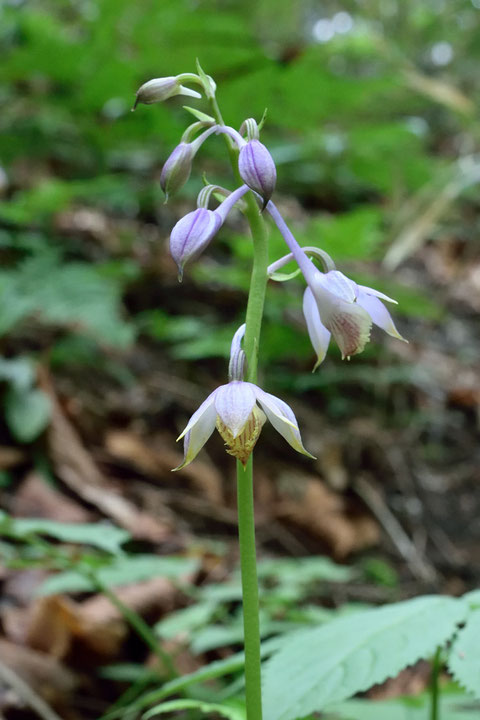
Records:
x=75, y=466
x=38, y=499
x=307, y=502
x=48, y=677
x=157, y=458
x=10, y=456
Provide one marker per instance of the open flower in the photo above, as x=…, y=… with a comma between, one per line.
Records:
x=233, y=410
x=335, y=305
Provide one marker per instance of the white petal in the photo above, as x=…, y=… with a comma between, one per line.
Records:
x=377, y=293
x=234, y=403
x=319, y=335
x=349, y=323
x=282, y=418
x=379, y=314
x=197, y=415
x=338, y=284
x=197, y=432
x=182, y=90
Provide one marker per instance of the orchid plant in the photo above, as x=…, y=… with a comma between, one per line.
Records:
x=333, y=304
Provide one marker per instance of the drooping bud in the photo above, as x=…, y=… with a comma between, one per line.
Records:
x=191, y=235
x=236, y=366
x=160, y=89
x=257, y=169
x=177, y=168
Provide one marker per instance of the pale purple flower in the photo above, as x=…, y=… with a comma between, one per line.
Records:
x=160, y=89
x=335, y=305
x=233, y=410
x=178, y=165
x=257, y=169
x=192, y=233
x=177, y=169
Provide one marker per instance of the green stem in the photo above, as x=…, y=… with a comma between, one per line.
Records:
x=434, y=687
x=246, y=517
x=248, y=561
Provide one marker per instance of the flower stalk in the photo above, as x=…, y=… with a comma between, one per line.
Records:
x=245, y=503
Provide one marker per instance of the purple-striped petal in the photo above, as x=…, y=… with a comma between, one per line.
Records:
x=191, y=235
x=349, y=323
x=257, y=169
x=319, y=335
x=282, y=418
x=377, y=293
x=338, y=284
x=234, y=403
x=379, y=314
x=177, y=168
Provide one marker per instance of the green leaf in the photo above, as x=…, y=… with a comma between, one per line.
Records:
x=27, y=413
x=122, y=571
x=101, y=535
x=464, y=658
x=232, y=712
x=183, y=622
x=203, y=117
x=350, y=654
x=305, y=570
x=19, y=372
x=217, y=669
x=76, y=295
x=453, y=706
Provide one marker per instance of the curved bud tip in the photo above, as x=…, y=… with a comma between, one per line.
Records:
x=176, y=170
x=257, y=169
x=160, y=89
x=191, y=235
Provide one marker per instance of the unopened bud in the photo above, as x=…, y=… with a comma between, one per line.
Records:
x=191, y=235
x=177, y=168
x=257, y=169
x=160, y=89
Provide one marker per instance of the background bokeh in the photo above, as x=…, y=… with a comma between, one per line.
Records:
x=372, y=119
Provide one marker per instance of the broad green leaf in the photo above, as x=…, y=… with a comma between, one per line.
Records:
x=76, y=295
x=101, y=535
x=331, y=663
x=464, y=658
x=452, y=706
x=232, y=712
x=305, y=570
x=27, y=413
x=122, y=571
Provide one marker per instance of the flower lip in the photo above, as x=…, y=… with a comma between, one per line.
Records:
x=233, y=409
